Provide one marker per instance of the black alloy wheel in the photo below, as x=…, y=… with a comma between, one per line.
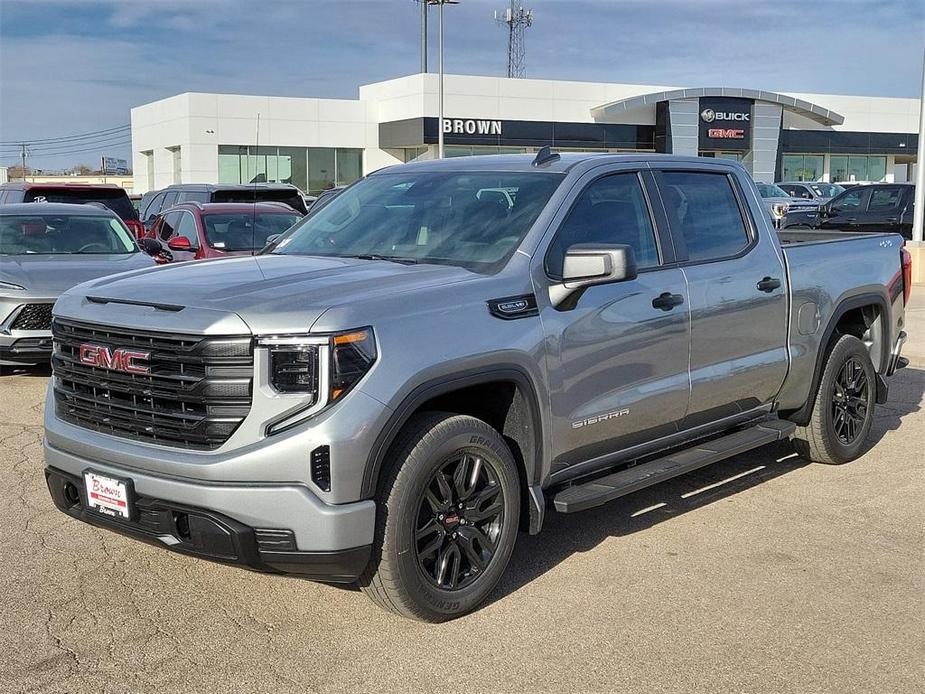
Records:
x=459, y=521
x=849, y=401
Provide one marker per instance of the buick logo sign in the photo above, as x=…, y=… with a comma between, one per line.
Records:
x=709, y=115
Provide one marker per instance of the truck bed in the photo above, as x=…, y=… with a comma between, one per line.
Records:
x=823, y=268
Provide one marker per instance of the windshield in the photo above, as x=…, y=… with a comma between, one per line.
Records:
x=245, y=231
x=470, y=219
x=826, y=190
x=63, y=234
x=768, y=190
x=116, y=199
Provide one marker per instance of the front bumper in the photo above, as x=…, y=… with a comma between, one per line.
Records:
x=278, y=527
x=26, y=350
x=207, y=535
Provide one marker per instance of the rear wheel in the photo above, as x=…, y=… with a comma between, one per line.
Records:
x=447, y=518
x=844, y=409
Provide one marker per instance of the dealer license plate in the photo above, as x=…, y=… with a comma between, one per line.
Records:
x=110, y=496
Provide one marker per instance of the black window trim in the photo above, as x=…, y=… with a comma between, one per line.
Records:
x=748, y=222
x=653, y=220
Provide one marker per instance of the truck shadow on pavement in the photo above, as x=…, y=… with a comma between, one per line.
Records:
x=566, y=534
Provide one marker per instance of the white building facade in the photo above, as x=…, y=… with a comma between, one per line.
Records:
x=319, y=143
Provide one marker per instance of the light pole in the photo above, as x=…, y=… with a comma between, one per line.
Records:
x=441, y=3
x=918, y=213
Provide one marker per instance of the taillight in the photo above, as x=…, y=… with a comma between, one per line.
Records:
x=136, y=227
x=906, y=260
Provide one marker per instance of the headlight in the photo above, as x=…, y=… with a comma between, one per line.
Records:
x=352, y=355
x=295, y=362
x=10, y=285
x=779, y=209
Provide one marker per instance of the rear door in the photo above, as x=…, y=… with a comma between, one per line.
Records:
x=617, y=362
x=884, y=209
x=737, y=290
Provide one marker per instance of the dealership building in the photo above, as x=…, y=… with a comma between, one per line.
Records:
x=319, y=143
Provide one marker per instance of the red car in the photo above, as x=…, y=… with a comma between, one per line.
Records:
x=194, y=230
x=106, y=194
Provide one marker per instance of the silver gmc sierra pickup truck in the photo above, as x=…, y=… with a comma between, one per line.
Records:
x=451, y=349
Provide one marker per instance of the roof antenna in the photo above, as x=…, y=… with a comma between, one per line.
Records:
x=545, y=156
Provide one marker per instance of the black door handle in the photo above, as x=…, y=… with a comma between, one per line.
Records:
x=768, y=284
x=892, y=220
x=667, y=301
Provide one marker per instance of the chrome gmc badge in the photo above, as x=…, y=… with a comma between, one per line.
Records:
x=113, y=359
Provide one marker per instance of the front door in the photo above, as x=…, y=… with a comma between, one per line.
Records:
x=846, y=210
x=617, y=362
x=738, y=294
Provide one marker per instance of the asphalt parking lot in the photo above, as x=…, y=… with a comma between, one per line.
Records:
x=760, y=574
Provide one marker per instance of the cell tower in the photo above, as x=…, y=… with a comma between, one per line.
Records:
x=517, y=20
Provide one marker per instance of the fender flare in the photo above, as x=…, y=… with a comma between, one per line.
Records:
x=802, y=415
x=446, y=384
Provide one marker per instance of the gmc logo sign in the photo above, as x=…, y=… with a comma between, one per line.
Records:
x=113, y=359
x=726, y=133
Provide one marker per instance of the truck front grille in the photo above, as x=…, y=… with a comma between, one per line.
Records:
x=196, y=391
x=33, y=317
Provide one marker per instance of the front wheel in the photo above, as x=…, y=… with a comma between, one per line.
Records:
x=447, y=518
x=844, y=409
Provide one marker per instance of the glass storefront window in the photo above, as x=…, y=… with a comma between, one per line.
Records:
x=311, y=169
x=349, y=166
x=876, y=168
x=320, y=169
x=857, y=168
x=803, y=167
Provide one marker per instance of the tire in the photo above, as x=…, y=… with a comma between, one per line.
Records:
x=415, y=513
x=836, y=431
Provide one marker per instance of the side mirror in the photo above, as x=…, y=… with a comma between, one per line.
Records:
x=150, y=246
x=586, y=265
x=180, y=243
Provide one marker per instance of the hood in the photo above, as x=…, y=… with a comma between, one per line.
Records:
x=47, y=276
x=273, y=293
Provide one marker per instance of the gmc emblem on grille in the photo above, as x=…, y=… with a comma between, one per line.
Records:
x=113, y=359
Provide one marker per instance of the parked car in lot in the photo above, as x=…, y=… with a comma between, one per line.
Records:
x=110, y=195
x=874, y=207
x=193, y=231
x=816, y=191
x=46, y=248
x=158, y=201
x=393, y=388
x=785, y=210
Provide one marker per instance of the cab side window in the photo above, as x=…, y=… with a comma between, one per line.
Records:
x=703, y=214
x=850, y=200
x=611, y=210
x=883, y=199
x=168, y=226
x=187, y=227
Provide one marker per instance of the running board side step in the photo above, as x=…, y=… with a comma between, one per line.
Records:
x=580, y=497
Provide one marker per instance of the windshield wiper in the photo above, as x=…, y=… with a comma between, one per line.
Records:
x=390, y=258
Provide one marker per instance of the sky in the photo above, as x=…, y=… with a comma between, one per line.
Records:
x=69, y=67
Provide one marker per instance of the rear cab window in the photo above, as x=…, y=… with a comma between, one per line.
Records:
x=703, y=214
x=116, y=199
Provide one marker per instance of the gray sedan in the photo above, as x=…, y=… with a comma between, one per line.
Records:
x=46, y=248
